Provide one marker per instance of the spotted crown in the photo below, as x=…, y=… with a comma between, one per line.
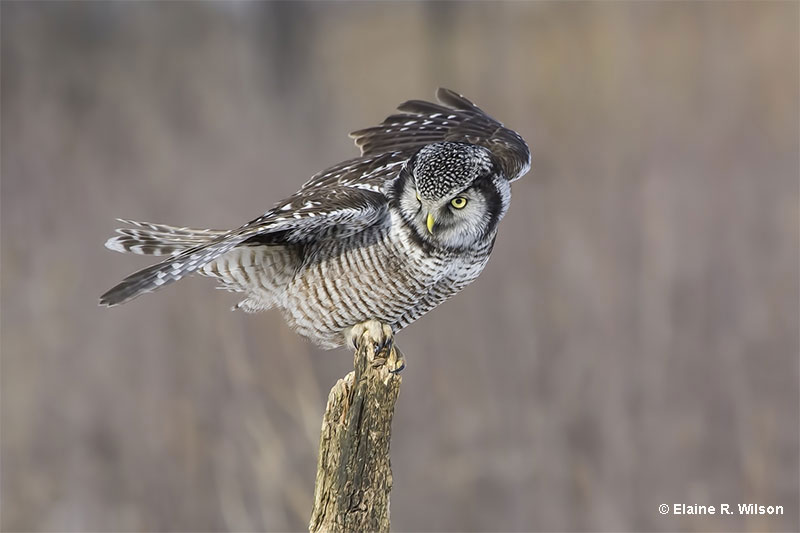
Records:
x=441, y=169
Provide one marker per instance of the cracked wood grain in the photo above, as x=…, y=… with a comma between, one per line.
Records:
x=354, y=474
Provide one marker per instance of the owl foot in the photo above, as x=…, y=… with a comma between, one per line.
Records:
x=380, y=336
x=373, y=332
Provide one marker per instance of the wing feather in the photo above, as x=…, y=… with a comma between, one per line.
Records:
x=335, y=212
x=457, y=119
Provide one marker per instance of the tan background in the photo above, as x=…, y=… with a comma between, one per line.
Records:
x=633, y=341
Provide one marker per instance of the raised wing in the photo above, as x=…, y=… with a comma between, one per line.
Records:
x=457, y=119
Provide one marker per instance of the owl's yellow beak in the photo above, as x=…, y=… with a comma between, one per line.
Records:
x=430, y=223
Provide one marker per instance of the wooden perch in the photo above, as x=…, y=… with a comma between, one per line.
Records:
x=354, y=474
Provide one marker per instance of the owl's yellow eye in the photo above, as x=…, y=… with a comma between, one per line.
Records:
x=458, y=202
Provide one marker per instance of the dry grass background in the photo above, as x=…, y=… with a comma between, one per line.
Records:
x=633, y=341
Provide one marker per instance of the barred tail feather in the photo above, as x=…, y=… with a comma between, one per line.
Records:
x=166, y=272
x=189, y=249
x=145, y=238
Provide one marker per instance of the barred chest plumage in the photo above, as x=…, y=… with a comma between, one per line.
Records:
x=381, y=273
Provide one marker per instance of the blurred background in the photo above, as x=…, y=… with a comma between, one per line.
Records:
x=633, y=342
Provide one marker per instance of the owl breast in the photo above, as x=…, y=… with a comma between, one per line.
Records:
x=380, y=273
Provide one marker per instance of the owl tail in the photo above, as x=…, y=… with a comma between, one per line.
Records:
x=145, y=238
x=189, y=249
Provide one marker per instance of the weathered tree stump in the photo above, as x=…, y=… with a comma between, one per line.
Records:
x=354, y=474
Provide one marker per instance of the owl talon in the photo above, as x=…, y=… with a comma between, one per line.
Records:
x=372, y=332
x=385, y=346
x=397, y=361
x=394, y=361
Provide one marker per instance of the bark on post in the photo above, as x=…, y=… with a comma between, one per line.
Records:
x=354, y=474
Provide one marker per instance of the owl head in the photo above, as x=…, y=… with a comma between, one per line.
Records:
x=452, y=195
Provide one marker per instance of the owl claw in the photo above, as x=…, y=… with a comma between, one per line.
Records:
x=396, y=361
x=373, y=332
x=385, y=346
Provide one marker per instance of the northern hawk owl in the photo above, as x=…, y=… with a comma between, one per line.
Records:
x=373, y=242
